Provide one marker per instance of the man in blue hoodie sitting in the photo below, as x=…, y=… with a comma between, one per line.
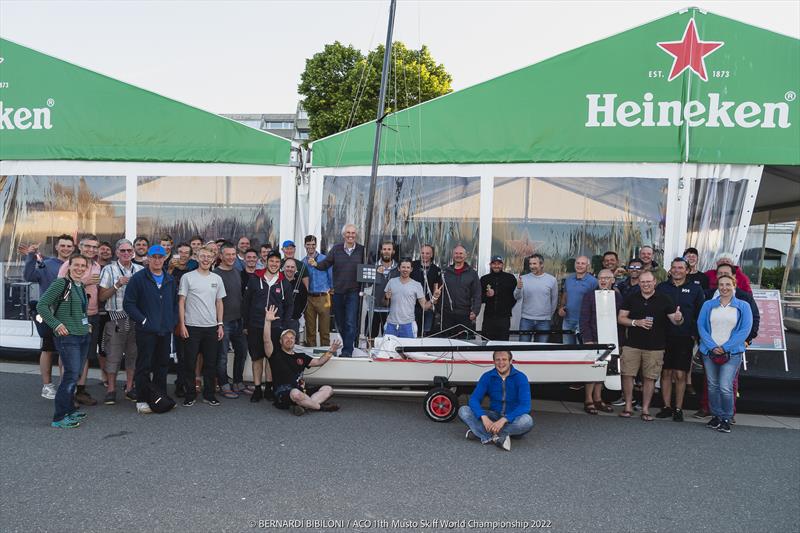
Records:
x=509, y=404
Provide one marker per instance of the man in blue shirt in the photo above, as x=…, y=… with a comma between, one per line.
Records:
x=318, y=308
x=575, y=287
x=43, y=270
x=509, y=404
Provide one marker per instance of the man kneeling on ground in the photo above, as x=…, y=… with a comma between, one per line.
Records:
x=509, y=404
x=287, y=366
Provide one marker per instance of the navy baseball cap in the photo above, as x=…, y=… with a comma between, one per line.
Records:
x=287, y=244
x=157, y=249
x=497, y=259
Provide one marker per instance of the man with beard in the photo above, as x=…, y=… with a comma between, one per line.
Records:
x=402, y=294
x=497, y=290
x=140, y=246
x=270, y=289
x=386, y=270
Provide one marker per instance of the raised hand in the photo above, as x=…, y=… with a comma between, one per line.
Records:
x=271, y=314
x=388, y=294
x=678, y=316
x=489, y=291
x=335, y=345
x=519, y=282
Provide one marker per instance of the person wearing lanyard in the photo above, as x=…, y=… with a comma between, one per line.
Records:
x=64, y=308
x=724, y=325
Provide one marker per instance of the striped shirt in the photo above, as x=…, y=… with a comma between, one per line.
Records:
x=109, y=277
x=71, y=312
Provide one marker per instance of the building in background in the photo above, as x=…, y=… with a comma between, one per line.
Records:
x=292, y=126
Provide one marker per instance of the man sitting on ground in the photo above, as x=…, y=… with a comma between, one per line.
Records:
x=510, y=404
x=290, y=389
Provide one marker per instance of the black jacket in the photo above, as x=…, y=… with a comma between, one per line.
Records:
x=345, y=267
x=501, y=304
x=434, y=276
x=461, y=292
x=258, y=295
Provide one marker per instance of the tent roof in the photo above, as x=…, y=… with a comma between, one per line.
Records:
x=52, y=109
x=593, y=104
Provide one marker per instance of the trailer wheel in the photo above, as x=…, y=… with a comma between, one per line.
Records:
x=441, y=405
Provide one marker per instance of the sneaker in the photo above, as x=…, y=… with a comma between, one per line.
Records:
x=143, y=409
x=701, y=414
x=296, y=410
x=677, y=415
x=637, y=406
x=470, y=435
x=49, y=391
x=111, y=398
x=76, y=415
x=619, y=402
x=65, y=423
x=130, y=395
x=714, y=423
x=503, y=443
x=187, y=402
x=84, y=398
x=258, y=394
x=724, y=426
x=665, y=412
x=328, y=407
x=211, y=401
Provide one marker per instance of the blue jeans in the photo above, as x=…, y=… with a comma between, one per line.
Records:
x=72, y=351
x=534, y=325
x=405, y=331
x=720, y=385
x=521, y=425
x=233, y=337
x=345, y=311
x=570, y=323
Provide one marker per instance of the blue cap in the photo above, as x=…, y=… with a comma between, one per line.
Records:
x=287, y=244
x=496, y=259
x=157, y=249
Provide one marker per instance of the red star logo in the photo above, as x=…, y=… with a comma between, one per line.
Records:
x=689, y=52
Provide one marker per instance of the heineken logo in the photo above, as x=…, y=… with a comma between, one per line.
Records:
x=26, y=118
x=714, y=112
x=690, y=52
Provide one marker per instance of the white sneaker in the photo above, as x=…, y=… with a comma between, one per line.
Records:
x=504, y=444
x=143, y=409
x=49, y=391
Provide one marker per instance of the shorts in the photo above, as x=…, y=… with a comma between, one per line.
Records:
x=48, y=341
x=283, y=399
x=649, y=361
x=678, y=354
x=255, y=342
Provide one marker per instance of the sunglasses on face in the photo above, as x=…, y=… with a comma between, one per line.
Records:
x=634, y=267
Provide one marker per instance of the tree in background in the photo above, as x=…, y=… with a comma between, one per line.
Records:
x=340, y=85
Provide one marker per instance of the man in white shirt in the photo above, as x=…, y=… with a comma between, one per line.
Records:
x=200, y=321
x=401, y=295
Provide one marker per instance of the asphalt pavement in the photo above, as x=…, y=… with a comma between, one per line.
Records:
x=245, y=467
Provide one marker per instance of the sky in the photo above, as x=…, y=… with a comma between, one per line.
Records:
x=247, y=56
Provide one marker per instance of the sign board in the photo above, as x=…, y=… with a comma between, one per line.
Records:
x=770, y=332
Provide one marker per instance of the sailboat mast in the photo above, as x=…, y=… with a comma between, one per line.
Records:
x=387, y=54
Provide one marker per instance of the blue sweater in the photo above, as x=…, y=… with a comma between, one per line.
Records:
x=735, y=343
x=155, y=310
x=42, y=272
x=511, y=398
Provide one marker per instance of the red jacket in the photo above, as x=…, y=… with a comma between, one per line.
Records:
x=742, y=281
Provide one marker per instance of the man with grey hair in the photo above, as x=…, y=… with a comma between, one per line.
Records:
x=575, y=286
x=119, y=335
x=344, y=257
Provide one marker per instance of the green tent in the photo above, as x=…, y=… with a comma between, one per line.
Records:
x=689, y=87
x=54, y=110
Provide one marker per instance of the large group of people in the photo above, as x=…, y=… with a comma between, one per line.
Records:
x=139, y=302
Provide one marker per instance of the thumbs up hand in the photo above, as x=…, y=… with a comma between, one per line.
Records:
x=678, y=316
x=519, y=282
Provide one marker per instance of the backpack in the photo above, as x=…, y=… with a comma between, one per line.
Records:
x=41, y=326
x=158, y=400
